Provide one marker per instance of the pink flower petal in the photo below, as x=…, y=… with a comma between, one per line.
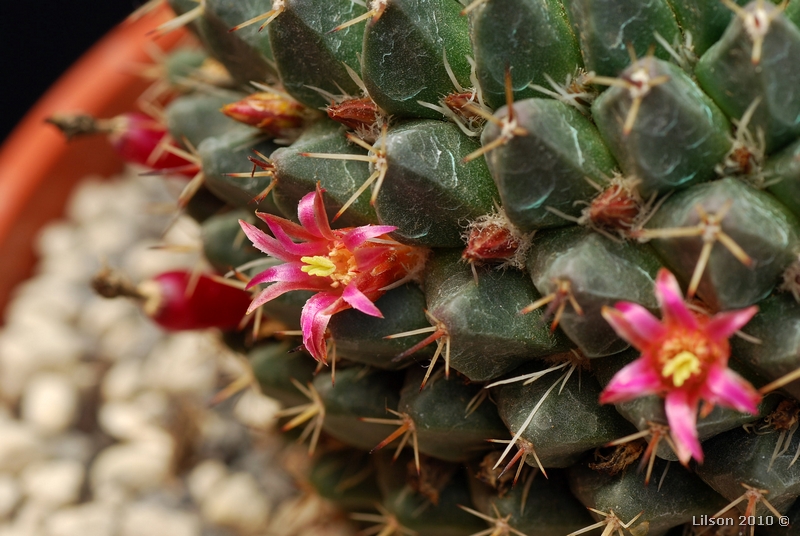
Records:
x=300, y=249
x=723, y=325
x=670, y=297
x=632, y=381
x=314, y=320
x=312, y=215
x=681, y=409
x=359, y=301
x=723, y=386
x=275, y=290
x=265, y=243
x=289, y=227
x=320, y=216
x=289, y=272
x=355, y=237
x=634, y=323
x=369, y=258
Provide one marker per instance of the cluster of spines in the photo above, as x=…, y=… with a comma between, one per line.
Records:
x=620, y=126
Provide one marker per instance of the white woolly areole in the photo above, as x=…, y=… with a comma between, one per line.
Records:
x=640, y=86
x=757, y=22
x=500, y=219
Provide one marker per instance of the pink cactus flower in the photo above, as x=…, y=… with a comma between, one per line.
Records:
x=347, y=268
x=684, y=359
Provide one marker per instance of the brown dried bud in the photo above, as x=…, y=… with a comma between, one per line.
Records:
x=359, y=114
x=273, y=113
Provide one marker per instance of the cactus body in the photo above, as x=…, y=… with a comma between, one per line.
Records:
x=538, y=350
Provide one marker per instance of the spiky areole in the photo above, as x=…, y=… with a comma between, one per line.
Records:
x=785, y=416
x=746, y=156
x=639, y=80
x=681, y=51
x=376, y=9
x=617, y=211
x=358, y=113
x=618, y=459
x=752, y=496
x=431, y=478
x=493, y=238
x=791, y=279
x=611, y=524
x=463, y=106
x=492, y=474
x=278, y=7
x=616, y=208
x=756, y=19
x=684, y=351
x=576, y=90
x=656, y=432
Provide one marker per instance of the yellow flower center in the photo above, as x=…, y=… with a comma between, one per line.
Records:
x=339, y=265
x=681, y=367
x=318, y=265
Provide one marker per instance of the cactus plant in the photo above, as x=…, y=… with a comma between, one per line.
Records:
x=515, y=182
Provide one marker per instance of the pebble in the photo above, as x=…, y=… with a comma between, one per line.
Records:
x=86, y=375
x=74, y=266
x=140, y=263
x=114, y=435
x=99, y=314
x=123, y=380
x=108, y=237
x=308, y=514
x=205, y=477
x=89, y=519
x=142, y=519
x=182, y=364
x=237, y=502
x=156, y=404
x=256, y=410
x=272, y=452
x=10, y=495
x=15, y=366
x=124, y=421
x=53, y=483
x=136, y=466
x=222, y=435
x=43, y=343
x=73, y=445
x=90, y=200
x=56, y=239
x=49, y=403
x=30, y=518
x=184, y=231
x=131, y=338
x=49, y=295
x=19, y=445
x=134, y=200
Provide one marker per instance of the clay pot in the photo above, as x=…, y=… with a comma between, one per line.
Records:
x=38, y=168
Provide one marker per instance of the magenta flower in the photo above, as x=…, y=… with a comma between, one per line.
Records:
x=684, y=359
x=347, y=267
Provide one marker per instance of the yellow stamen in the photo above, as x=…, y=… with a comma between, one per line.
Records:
x=318, y=265
x=681, y=367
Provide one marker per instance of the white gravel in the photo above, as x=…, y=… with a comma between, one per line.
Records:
x=105, y=423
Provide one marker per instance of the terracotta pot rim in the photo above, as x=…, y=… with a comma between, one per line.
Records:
x=35, y=161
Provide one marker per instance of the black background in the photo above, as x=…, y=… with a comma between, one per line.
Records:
x=40, y=39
